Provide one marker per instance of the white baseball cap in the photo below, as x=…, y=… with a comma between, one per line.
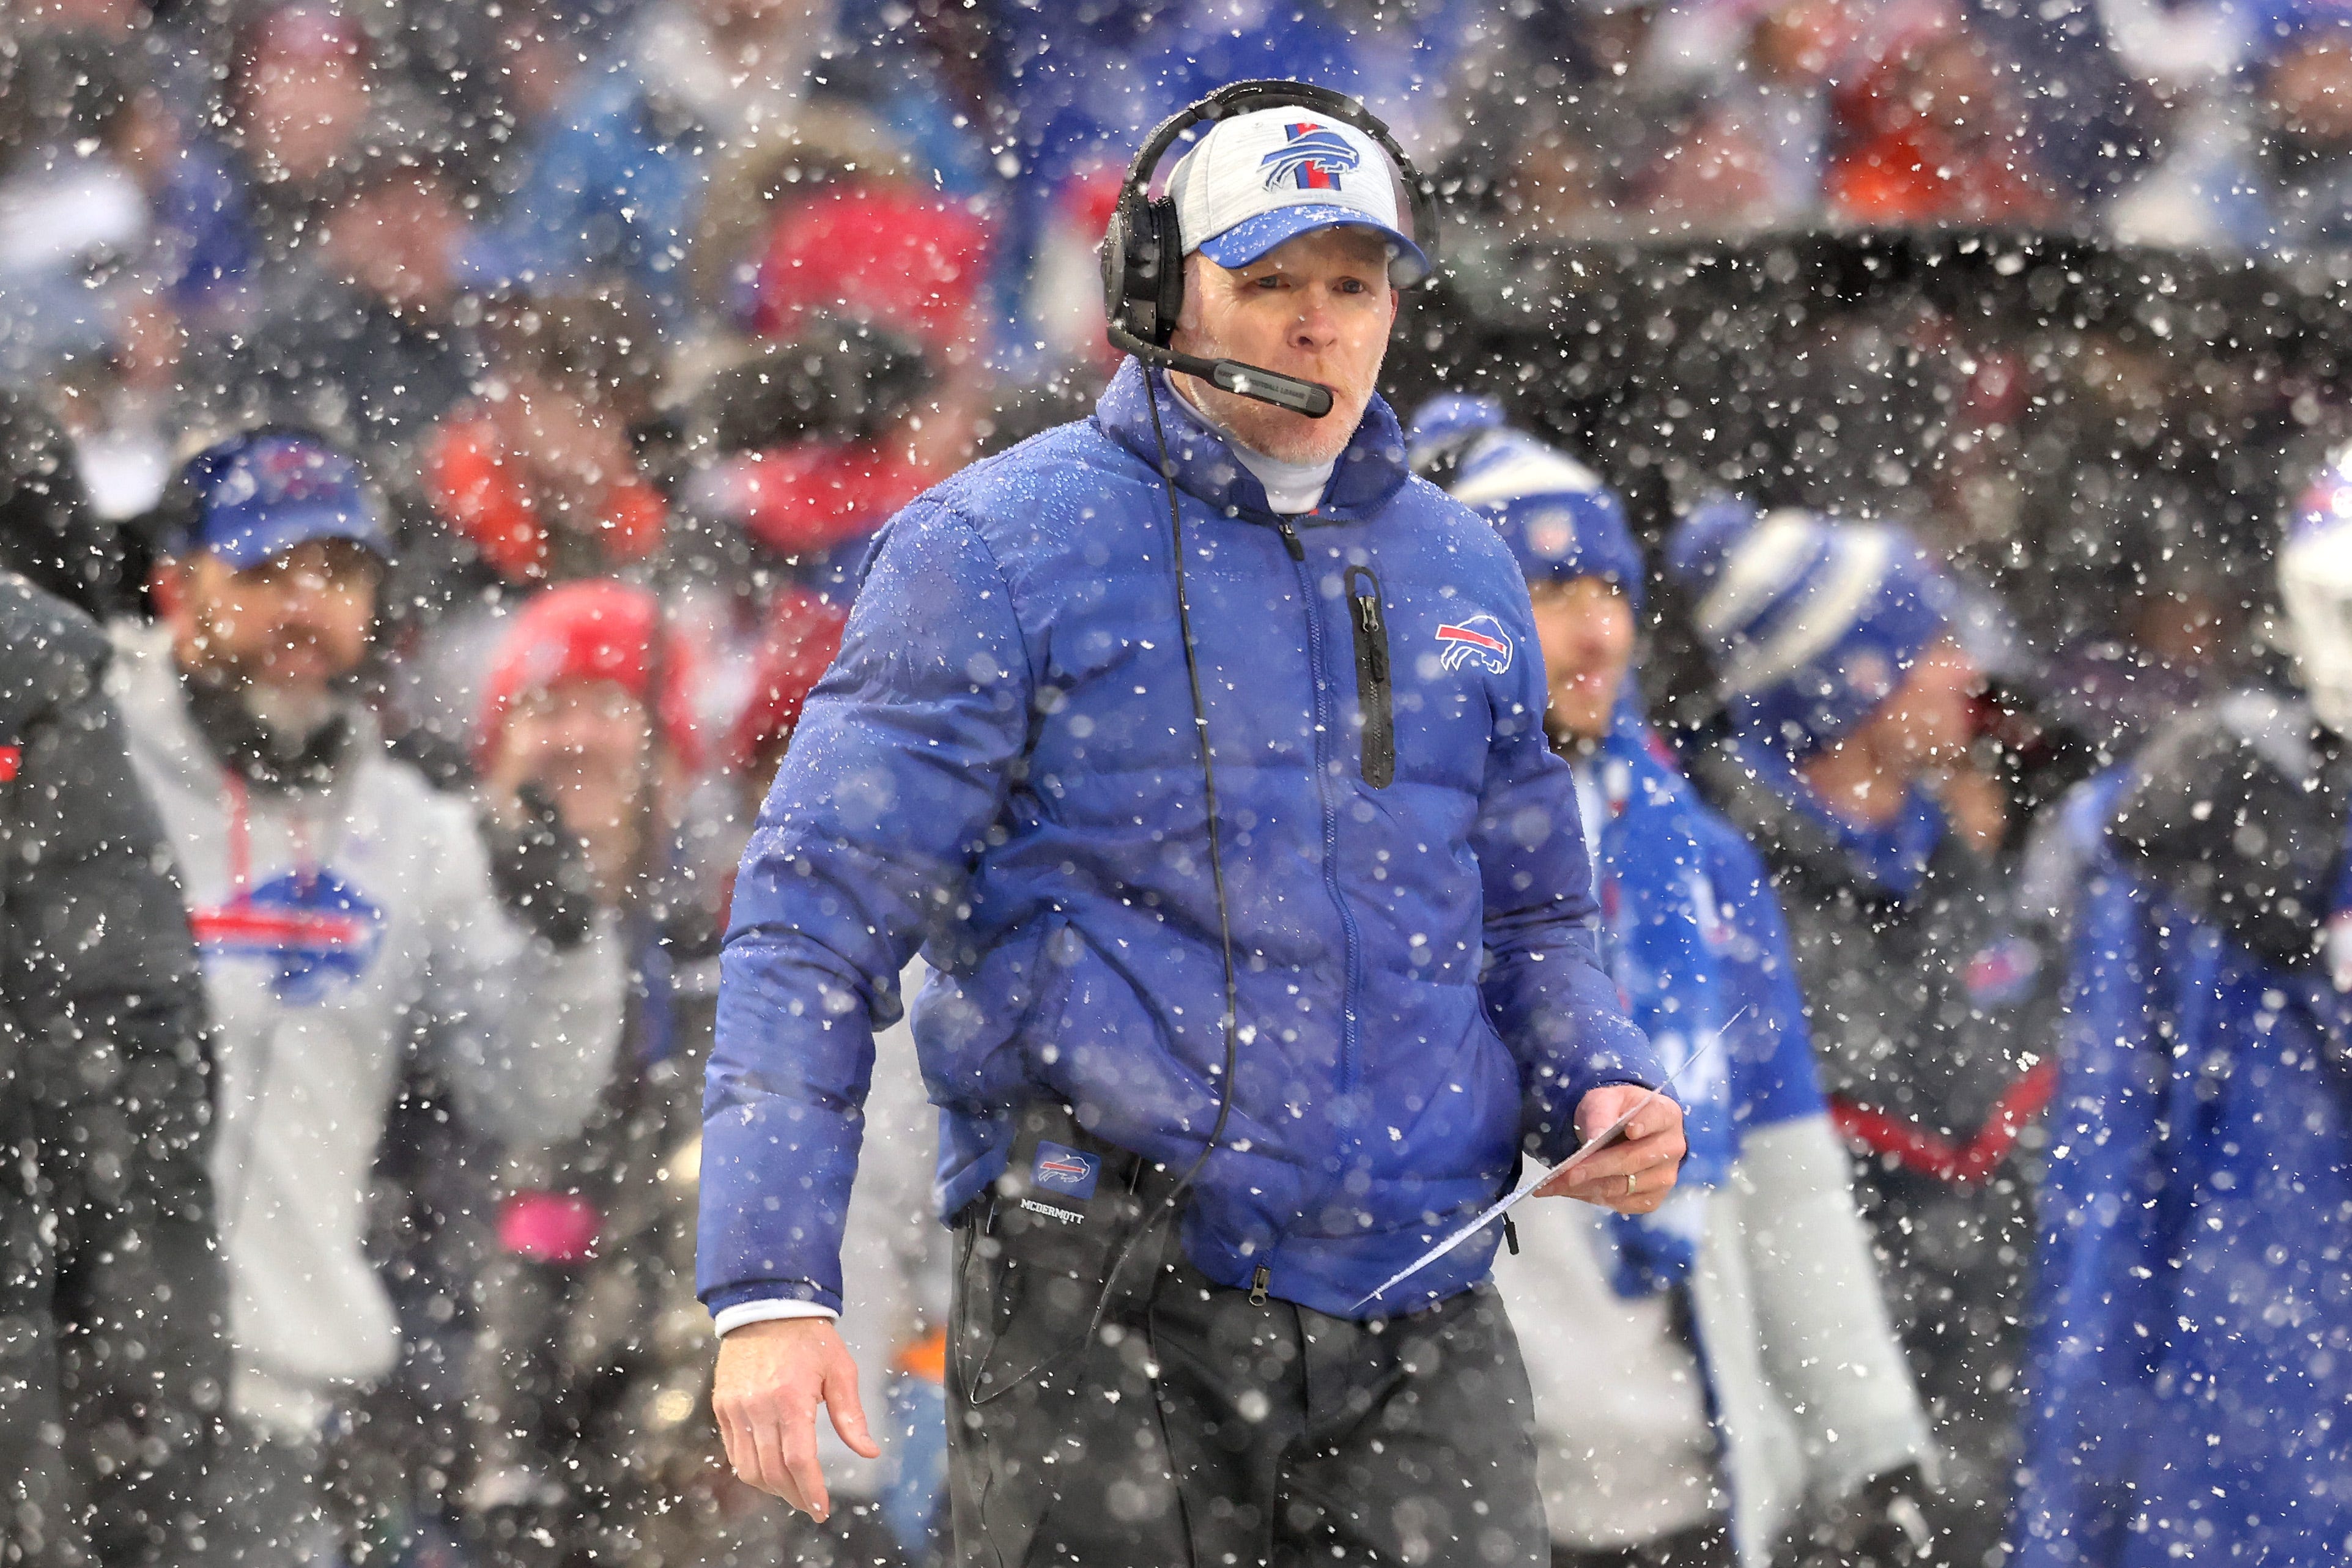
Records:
x=1270, y=175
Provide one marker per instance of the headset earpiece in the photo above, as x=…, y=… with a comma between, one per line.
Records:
x=1168, y=268
x=1143, y=267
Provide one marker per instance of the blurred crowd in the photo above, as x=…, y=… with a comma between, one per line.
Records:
x=564, y=356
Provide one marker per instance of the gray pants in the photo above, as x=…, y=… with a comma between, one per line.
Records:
x=1195, y=1427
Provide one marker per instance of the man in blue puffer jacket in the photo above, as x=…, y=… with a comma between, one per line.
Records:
x=1003, y=765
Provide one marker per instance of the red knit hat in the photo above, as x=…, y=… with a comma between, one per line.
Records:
x=598, y=630
x=873, y=252
x=803, y=636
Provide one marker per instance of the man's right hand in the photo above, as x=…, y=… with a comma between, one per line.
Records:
x=772, y=1377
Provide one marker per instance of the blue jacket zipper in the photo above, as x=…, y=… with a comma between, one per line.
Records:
x=1324, y=720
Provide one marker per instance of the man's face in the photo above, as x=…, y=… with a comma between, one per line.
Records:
x=1931, y=716
x=1586, y=629
x=572, y=448
x=594, y=739
x=297, y=621
x=302, y=114
x=1318, y=308
x=395, y=241
x=2308, y=94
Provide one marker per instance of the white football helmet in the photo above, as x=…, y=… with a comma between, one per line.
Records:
x=2314, y=575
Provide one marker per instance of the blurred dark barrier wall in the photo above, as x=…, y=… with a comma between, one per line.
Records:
x=2100, y=438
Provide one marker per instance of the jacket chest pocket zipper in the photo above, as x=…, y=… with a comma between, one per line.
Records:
x=1372, y=686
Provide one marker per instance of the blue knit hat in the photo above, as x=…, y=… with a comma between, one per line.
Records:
x=1812, y=623
x=1559, y=520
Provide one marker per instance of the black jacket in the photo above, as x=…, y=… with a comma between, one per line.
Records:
x=1933, y=1016
x=111, y=1298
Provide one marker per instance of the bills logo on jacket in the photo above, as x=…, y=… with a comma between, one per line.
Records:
x=314, y=931
x=1065, y=1170
x=2003, y=973
x=1481, y=640
x=1314, y=157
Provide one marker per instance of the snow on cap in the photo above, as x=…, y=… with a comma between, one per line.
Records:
x=1558, y=518
x=1260, y=179
x=1812, y=623
x=257, y=496
x=591, y=631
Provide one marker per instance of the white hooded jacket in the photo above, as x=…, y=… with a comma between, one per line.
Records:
x=337, y=925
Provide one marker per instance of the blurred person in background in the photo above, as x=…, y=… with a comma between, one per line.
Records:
x=364, y=337
x=1923, y=130
x=886, y=264
x=118, y=230
x=499, y=76
x=2188, y=1379
x=591, y=1437
x=536, y=480
x=1754, y=1380
x=1554, y=130
x=341, y=908
x=2265, y=167
x=113, y=1309
x=1846, y=696
x=1752, y=151
x=297, y=101
x=829, y=144
x=618, y=185
x=586, y=728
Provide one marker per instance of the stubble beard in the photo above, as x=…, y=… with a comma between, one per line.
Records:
x=1277, y=433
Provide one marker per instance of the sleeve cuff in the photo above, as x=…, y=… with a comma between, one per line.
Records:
x=729, y=1319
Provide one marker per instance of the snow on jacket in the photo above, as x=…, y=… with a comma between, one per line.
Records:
x=1002, y=763
x=1929, y=1008
x=1795, y=1369
x=2193, y=1354
x=337, y=924
x=110, y=1287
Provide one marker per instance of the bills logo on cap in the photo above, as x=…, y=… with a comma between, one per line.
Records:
x=1314, y=156
x=1065, y=1170
x=1479, y=639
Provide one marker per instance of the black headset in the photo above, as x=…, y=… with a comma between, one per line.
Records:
x=1143, y=252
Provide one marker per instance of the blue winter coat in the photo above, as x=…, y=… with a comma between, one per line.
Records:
x=2192, y=1367
x=1003, y=764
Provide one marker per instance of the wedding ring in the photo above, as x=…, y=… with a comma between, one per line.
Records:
x=1630, y=1179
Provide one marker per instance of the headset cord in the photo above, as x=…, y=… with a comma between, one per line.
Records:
x=1232, y=1020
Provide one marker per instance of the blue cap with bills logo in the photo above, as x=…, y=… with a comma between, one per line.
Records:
x=254, y=497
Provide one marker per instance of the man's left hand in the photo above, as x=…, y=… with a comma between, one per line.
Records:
x=1650, y=1151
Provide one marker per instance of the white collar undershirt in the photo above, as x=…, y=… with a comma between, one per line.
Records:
x=1290, y=488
